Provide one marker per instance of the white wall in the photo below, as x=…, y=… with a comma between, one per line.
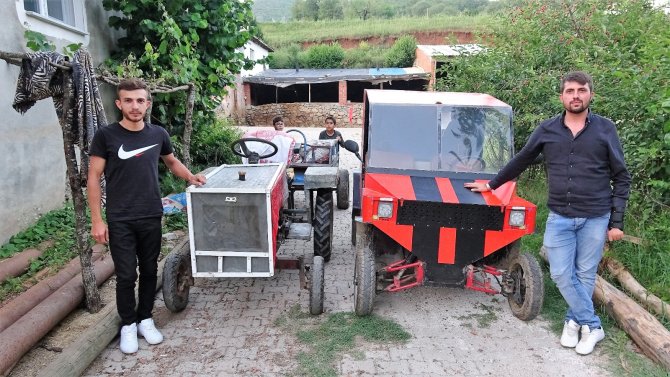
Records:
x=32, y=166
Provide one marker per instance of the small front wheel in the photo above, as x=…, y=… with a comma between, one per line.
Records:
x=177, y=279
x=342, y=189
x=316, y=286
x=365, y=276
x=527, y=294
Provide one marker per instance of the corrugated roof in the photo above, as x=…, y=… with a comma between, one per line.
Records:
x=287, y=77
x=450, y=50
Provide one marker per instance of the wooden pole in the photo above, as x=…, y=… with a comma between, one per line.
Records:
x=81, y=226
x=629, y=283
x=188, y=125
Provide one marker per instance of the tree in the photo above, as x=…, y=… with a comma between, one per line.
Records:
x=330, y=10
x=182, y=41
x=325, y=56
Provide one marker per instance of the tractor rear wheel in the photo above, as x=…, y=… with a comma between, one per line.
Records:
x=323, y=223
x=527, y=294
x=342, y=189
x=365, y=276
x=316, y=286
x=177, y=279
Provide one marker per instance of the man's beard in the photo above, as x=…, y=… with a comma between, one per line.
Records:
x=584, y=106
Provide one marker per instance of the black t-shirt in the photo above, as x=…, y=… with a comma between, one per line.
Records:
x=131, y=169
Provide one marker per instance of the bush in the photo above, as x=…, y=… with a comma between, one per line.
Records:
x=210, y=146
x=325, y=56
x=402, y=53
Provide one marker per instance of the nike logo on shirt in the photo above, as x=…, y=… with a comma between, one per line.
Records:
x=124, y=155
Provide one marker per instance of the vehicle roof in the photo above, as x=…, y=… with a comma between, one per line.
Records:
x=431, y=98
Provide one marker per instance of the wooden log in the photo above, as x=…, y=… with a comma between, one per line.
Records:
x=18, y=263
x=75, y=358
x=638, y=291
x=645, y=330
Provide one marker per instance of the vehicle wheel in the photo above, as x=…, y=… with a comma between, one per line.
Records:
x=323, y=223
x=527, y=296
x=365, y=277
x=342, y=189
x=316, y=286
x=177, y=277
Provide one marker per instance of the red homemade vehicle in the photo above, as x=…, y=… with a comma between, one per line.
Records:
x=413, y=222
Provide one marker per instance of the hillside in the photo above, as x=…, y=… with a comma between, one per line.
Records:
x=282, y=34
x=272, y=10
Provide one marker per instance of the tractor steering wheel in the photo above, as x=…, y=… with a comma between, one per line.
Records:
x=239, y=148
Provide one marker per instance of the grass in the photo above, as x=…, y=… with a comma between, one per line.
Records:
x=328, y=339
x=484, y=320
x=282, y=34
x=626, y=361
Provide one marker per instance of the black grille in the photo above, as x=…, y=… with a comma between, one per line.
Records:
x=449, y=215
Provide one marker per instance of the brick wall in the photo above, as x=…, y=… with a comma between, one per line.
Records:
x=303, y=114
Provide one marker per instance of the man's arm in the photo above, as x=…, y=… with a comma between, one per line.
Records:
x=620, y=187
x=99, y=230
x=516, y=166
x=181, y=171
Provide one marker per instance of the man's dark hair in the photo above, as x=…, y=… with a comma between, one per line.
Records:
x=132, y=84
x=277, y=119
x=577, y=76
x=331, y=118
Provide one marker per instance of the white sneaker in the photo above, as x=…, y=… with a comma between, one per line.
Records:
x=570, y=335
x=148, y=330
x=589, y=340
x=128, y=339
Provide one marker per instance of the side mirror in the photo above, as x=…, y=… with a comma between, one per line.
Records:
x=351, y=146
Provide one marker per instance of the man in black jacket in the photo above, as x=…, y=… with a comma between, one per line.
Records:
x=588, y=190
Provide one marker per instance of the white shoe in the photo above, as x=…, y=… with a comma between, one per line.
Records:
x=570, y=335
x=129, y=339
x=148, y=331
x=590, y=337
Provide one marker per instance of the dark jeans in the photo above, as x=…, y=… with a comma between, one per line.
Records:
x=135, y=243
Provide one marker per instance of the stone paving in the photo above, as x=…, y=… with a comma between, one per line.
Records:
x=228, y=328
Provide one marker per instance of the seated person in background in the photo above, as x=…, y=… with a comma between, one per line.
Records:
x=330, y=132
x=278, y=123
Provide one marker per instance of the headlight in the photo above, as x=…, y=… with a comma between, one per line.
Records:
x=517, y=217
x=385, y=208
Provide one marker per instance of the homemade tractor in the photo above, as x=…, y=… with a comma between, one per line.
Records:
x=413, y=221
x=240, y=217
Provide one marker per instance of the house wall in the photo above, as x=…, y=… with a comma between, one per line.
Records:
x=301, y=114
x=426, y=62
x=233, y=102
x=32, y=165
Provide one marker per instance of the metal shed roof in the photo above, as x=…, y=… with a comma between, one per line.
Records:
x=286, y=77
x=431, y=98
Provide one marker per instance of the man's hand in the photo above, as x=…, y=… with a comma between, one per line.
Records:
x=477, y=186
x=614, y=234
x=99, y=232
x=198, y=180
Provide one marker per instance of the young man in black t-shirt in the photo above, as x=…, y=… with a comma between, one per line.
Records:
x=330, y=132
x=127, y=152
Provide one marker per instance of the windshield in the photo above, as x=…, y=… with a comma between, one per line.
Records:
x=442, y=137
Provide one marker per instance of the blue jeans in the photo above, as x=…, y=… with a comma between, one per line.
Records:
x=574, y=249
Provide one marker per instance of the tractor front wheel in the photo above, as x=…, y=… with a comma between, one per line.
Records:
x=316, y=286
x=342, y=189
x=177, y=279
x=527, y=294
x=323, y=223
x=365, y=276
